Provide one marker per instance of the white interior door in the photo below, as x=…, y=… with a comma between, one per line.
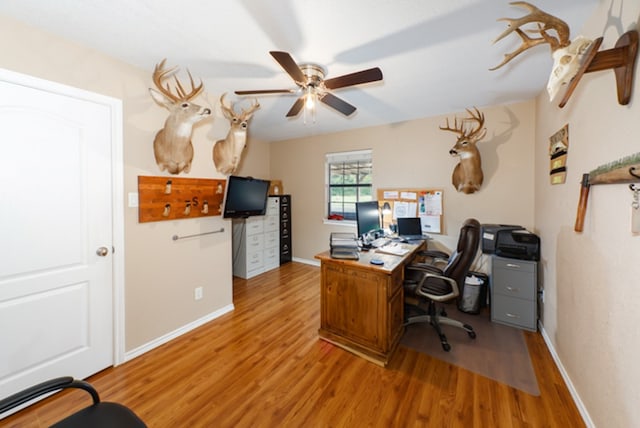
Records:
x=56, y=280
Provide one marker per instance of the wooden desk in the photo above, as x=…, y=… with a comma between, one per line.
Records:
x=362, y=305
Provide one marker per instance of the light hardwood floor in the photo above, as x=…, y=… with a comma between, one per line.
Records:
x=262, y=365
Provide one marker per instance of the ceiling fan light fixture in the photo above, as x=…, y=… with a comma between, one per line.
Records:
x=310, y=101
x=312, y=87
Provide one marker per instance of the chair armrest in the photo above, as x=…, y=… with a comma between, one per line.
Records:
x=45, y=387
x=423, y=290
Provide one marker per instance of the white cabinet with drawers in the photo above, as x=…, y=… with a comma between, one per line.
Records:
x=514, y=288
x=256, y=242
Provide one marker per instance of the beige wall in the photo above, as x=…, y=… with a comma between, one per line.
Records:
x=160, y=274
x=592, y=279
x=415, y=154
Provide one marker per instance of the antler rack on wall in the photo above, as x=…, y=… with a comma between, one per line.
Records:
x=621, y=58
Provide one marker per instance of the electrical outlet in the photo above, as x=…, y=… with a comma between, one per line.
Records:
x=198, y=293
x=542, y=295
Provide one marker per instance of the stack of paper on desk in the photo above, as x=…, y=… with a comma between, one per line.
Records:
x=393, y=248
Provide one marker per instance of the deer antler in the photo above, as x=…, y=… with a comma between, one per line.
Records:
x=229, y=109
x=473, y=135
x=159, y=73
x=536, y=15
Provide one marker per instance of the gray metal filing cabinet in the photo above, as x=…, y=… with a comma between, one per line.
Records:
x=514, y=292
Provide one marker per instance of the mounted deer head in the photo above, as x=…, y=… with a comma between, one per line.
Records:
x=467, y=175
x=227, y=152
x=567, y=55
x=172, y=146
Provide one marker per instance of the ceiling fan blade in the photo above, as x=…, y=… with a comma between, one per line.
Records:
x=297, y=106
x=289, y=65
x=265, y=91
x=338, y=104
x=364, y=76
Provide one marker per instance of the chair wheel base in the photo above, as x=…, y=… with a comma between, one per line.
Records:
x=469, y=330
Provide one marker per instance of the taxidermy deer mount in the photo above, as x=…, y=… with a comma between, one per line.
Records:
x=572, y=59
x=227, y=152
x=467, y=175
x=172, y=146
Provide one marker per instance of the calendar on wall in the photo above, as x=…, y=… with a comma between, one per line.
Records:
x=423, y=203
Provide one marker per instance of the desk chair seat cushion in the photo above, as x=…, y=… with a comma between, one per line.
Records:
x=102, y=415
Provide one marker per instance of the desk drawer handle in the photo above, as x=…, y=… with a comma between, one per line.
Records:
x=509, y=288
x=512, y=315
x=511, y=265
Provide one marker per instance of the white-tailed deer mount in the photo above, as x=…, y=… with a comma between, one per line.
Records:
x=172, y=146
x=467, y=175
x=228, y=152
x=572, y=59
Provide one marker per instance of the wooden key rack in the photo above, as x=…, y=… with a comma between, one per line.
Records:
x=170, y=198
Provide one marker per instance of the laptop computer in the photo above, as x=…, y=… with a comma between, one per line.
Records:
x=410, y=228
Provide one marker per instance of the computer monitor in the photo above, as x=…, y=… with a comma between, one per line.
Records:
x=367, y=217
x=409, y=227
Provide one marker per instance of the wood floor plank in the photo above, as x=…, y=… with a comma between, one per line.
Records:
x=263, y=365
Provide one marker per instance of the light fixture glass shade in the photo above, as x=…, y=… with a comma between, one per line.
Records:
x=310, y=101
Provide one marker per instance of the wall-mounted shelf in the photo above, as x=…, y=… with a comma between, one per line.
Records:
x=171, y=198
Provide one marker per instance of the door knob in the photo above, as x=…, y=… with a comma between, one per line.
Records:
x=102, y=251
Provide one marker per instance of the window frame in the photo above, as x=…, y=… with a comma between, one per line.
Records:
x=365, y=156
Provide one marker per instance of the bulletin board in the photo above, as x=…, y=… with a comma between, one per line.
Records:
x=424, y=203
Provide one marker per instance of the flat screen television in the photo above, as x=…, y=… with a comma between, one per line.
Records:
x=367, y=217
x=245, y=197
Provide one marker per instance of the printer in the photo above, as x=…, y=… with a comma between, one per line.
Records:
x=488, y=234
x=517, y=244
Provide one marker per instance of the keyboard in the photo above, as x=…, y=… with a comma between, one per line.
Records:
x=380, y=242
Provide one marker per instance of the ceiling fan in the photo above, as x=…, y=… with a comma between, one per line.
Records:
x=312, y=85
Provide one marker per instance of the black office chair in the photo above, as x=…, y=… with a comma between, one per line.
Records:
x=441, y=281
x=100, y=414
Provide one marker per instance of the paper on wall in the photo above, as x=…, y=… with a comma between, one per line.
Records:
x=433, y=204
x=404, y=209
x=409, y=195
x=430, y=223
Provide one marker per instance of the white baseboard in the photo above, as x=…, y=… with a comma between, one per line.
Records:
x=176, y=333
x=574, y=394
x=307, y=261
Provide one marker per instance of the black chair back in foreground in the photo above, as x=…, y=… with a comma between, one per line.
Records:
x=100, y=414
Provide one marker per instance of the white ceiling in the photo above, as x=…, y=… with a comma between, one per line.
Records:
x=434, y=54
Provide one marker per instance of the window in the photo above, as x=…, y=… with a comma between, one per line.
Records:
x=349, y=176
